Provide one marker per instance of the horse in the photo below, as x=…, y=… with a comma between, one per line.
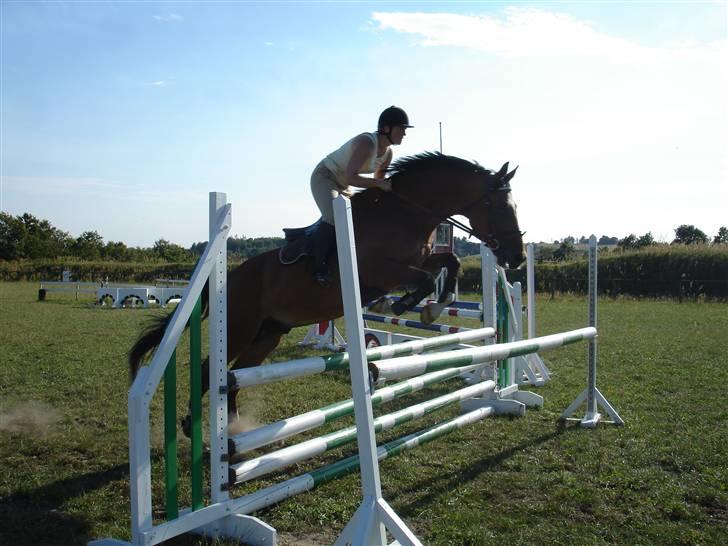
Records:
x=266, y=299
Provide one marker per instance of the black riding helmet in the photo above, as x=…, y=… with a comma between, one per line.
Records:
x=392, y=117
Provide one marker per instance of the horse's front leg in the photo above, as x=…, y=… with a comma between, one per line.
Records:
x=424, y=281
x=435, y=262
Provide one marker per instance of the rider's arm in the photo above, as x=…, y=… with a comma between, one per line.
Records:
x=363, y=149
x=382, y=169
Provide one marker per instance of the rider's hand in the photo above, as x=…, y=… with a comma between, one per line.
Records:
x=385, y=184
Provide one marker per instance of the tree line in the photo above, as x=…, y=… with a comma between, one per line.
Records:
x=26, y=237
x=685, y=234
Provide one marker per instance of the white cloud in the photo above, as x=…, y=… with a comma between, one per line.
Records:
x=521, y=32
x=170, y=17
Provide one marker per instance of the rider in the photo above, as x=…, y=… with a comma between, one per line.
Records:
x=337, y=172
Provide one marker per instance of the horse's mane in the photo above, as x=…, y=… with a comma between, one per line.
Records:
x=431, y=160
x=419, y=163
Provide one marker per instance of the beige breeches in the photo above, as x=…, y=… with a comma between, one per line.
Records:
x=325, y=189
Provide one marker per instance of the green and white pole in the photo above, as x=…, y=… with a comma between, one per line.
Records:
x=308, y=366
x=408, y=366
x=285, y=428
x=306, y=482
x=276, y=460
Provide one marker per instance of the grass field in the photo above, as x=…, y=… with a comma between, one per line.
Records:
x=661, y=479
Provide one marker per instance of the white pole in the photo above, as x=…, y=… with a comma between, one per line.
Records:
x=591, y=394
x=488, y=284
x=218, y=412
x=530, y=291
x=368, y=462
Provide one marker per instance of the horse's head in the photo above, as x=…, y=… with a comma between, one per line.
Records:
x=438, y=184
x=494, y=220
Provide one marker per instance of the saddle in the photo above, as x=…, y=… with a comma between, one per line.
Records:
x=299, y=242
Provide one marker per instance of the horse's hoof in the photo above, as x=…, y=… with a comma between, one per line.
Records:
x=381, y=306
x=426, y=316
x=186, y=424
x=398, y=308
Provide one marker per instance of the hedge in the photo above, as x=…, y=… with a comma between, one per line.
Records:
x=673, y=271
x=662, y=271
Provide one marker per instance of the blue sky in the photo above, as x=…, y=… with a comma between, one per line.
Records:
x=120, y=117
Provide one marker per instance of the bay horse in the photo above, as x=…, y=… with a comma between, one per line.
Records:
x=267, y=299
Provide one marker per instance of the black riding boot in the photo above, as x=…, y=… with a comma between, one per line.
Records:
x=323, y=246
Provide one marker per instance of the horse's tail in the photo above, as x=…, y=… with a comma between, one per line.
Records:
x=152, y=336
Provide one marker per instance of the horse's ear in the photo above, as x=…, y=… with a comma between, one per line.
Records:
x=503, y=170
x=510, y=175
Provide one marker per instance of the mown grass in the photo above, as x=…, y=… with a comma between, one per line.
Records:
x=661, y=479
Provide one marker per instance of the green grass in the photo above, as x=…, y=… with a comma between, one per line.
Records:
x=661, y=479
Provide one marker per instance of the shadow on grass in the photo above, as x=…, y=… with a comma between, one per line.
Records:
x=447, y=483
x=37, y=516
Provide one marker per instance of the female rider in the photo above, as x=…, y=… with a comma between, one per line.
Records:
x=340, y=170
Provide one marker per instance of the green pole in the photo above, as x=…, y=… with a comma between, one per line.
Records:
x=170, y=438
x=196, y=404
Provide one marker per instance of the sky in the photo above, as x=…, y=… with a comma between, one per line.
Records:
x=120, y=116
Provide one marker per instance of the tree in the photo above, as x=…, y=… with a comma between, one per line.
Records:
x=722, y=237
x=170, y=252
x=29, y=237
x=565, y=250
x=116, y=251
x=463, y=247
x=607, y=240
x=88, y=246
x=12, y=233
x=645, y=240
x=689, y=235
x=628, y=243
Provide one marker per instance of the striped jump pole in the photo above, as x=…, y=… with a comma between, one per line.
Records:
x=265, y=464
x=307, y=366
x=444, y=328
x=472, y=305
x=280, y=430
x=409, y=366
x=455, y=312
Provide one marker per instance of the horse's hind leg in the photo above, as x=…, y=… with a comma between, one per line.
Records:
x=186, y=421
x=268, y=338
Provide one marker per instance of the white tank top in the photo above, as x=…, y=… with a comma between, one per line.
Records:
x=337, y=160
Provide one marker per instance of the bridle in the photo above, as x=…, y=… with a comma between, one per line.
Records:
x=490, y=240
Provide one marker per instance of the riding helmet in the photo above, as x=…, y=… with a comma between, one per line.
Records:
x=393, y=116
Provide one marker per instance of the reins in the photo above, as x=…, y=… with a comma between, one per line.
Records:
x=450, y=220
